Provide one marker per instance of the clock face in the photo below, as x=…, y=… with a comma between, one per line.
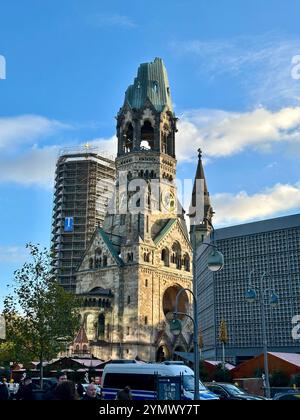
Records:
x=168, y=200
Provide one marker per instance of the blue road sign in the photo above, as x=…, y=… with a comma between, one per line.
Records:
x=69, y=224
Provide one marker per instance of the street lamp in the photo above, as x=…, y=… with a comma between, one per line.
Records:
x=176, y=328
x=265, y=296
x=215, y=263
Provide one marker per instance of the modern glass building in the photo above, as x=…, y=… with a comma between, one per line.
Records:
x=271, y=247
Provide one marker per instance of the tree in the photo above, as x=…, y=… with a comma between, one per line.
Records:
x=40, y=315
x=222, y=375
x=7, y=353
x=223, y=337
x=279, y=379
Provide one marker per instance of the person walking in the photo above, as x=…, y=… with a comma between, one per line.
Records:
x=25, y=391
x=4, y=394
x=80, y=389
x=124, y=394
x=91, y=393
x=66, y=391
x=61, y=377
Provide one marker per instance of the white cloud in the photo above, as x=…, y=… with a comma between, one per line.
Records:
x=23, y=159
x=113, y=20
x=262, y=65
x=239, y=208
x=13, y=254
x=109, y=146
x=222, y=134
x=36, y=166
x=25, y=129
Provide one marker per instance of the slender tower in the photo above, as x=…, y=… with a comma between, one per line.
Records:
x=201, y=211
x=148, y=254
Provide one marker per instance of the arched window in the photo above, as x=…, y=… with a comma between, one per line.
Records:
x=85, y=349
x=105, y=261
x=176, y=255
x=77, y=349
x=98, y=252
x=170, y=142
x=147, y=136
x=146, y=283
x=164, y=143
x=165, y=257
x=147, y=256
x=91, y=263
x=98, y=259
x=101, y=326
x=98, y=262
x=186, y=262
x=128, y=138
x=90, y=326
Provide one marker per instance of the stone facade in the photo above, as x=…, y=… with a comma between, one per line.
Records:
x=137, y=263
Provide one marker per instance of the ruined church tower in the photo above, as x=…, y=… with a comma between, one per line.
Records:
x=142, y=257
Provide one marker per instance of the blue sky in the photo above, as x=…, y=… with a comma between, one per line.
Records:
x=69, y=62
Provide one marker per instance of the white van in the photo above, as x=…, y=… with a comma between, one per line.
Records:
x=141, y=378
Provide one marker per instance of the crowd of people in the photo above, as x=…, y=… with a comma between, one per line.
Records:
x=62, y=389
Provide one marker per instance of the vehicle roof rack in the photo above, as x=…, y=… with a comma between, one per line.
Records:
x=173, y=362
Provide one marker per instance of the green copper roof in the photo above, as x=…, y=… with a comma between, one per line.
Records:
x=110, y=246
x=164, y=230
x=152, y=83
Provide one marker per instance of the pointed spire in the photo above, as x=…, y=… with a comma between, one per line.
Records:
x=200, y=176
x=81, y=337
x=201, y=211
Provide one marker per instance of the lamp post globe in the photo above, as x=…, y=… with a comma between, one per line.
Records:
x=274, y=300
x=251, y=296
x=215, y=261
x=175, y=327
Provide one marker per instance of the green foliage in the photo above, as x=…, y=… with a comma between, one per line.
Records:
x=7, y=352
x=222, y=375
x=40, y=316
x=223, y=333
x=279, y=379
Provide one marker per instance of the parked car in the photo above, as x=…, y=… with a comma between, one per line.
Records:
x=48, y=383
x=291, y=395
x=231, y=392
x=141, y=378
